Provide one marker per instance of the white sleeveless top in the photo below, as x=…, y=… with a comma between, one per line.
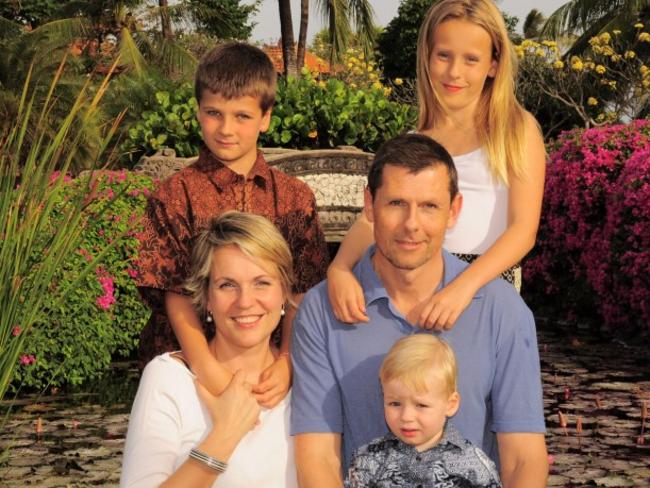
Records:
x=484, y=214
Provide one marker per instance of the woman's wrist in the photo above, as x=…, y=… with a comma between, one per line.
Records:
x=220, y=444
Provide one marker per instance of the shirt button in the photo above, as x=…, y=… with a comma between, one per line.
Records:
x=418, y=458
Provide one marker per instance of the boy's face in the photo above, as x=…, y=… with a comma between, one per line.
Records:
x=230, y=128
x=418, y=419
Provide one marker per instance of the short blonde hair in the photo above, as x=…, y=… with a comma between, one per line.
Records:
x=419, y=359
x=255, y=235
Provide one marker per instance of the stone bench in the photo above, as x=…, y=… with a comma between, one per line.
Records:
x=336, y=176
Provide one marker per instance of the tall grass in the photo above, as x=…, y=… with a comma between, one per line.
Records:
x=30, y=188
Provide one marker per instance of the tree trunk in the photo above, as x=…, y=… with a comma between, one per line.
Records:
x=165, y=20
x=302, y=35
x=286, y=30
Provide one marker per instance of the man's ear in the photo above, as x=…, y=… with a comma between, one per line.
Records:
x=367, y=205
x=453, y=404
x=454, y=210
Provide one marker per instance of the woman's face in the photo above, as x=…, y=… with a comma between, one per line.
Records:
x=245, y=298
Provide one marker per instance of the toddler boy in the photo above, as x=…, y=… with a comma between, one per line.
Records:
x=235, y=88
x=418, y=378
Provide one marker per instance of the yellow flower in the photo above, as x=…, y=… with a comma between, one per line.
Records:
x=377, y=86
x=638, y=25
x=594, y=41
x=645, y=83
x=361, y=56
x=612, y=85
x=616, y=32
x=349, y=65
x=520, y=52
x=549, y=43
x=600, y=117
x=590, y=65
x=373, y=76
x=605, y=37
x=600, y=69
x=592, y=101
x=558, y=64
x=644, y=70
x=608, y=51
x=540, y=52
x=313, y=134
x=616, y=58
x=630, y=54
x=387, y=90
x=576, y=63
x=353, y=85
x=398, y=81
x=644, y=37
x=321, y=84
x=597, y=49
x=369, y=68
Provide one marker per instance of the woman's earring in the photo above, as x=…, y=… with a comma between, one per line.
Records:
x=209, y=318
x=282, y=311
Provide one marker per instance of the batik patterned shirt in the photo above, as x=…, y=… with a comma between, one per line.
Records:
x=186, y=202
x=453, y=462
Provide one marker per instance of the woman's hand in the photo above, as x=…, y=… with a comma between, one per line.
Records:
x=346, y=295
x=445, y=306
x=235, y=411
x=275, y=382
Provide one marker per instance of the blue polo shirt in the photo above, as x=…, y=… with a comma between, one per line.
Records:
x=336, y=365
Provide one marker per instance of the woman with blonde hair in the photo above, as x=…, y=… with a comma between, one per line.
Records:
x=466, y=85
x=181, y=435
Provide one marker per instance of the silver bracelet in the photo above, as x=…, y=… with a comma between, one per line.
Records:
x=209, y=461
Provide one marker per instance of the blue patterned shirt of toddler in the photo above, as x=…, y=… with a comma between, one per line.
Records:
x=453, y=462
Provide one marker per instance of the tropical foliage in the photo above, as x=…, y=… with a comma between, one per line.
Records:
x=593, y=253
x=609, y=83
x=102, y=315
x=33, y=246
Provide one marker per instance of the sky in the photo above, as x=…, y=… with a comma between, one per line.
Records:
x=268, y=24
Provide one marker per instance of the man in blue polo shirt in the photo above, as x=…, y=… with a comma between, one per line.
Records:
x=337, y=406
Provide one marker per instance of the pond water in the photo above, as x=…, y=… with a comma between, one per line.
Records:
x=598, y=385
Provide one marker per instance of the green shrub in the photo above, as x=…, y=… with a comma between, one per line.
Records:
x=170, y=123
x=311, y=114
x=74, y=341
x=308, y=114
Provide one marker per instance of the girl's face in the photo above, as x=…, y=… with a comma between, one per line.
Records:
x=461, y=61
x=245, y=298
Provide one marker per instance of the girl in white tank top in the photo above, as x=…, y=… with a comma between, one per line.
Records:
x=466, y=66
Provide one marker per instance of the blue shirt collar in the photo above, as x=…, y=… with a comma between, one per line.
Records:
x=373, y=288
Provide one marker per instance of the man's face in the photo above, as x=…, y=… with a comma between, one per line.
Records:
x=411, y=213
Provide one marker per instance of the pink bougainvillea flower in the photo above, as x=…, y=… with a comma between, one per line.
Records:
x=16, y=331
x=27, y=359
x=133, y=273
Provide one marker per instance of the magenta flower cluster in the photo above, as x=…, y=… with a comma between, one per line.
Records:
x=108, y=288
x=594, y=238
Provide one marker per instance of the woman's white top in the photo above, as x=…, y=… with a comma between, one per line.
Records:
x=484, y=214
x=168, y=419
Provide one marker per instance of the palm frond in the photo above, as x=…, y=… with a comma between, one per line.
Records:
x=129, y=54
x=362, y=14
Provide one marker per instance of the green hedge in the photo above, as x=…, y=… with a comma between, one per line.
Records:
x=308, y=114
x=102, y=317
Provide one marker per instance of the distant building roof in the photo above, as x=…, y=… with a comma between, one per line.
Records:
x=313, y=62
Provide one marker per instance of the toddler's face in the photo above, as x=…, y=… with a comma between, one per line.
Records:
x=416, y=418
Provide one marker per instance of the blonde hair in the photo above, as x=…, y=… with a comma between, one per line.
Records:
x=419, y=359
x=500, y=119
x=254, y=235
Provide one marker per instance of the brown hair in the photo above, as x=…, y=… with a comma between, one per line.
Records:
x=237, y=69
x=414, y=152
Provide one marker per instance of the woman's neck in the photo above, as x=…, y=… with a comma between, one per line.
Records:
x=251, y=360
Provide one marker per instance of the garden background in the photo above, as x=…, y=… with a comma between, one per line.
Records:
x=88, y=88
